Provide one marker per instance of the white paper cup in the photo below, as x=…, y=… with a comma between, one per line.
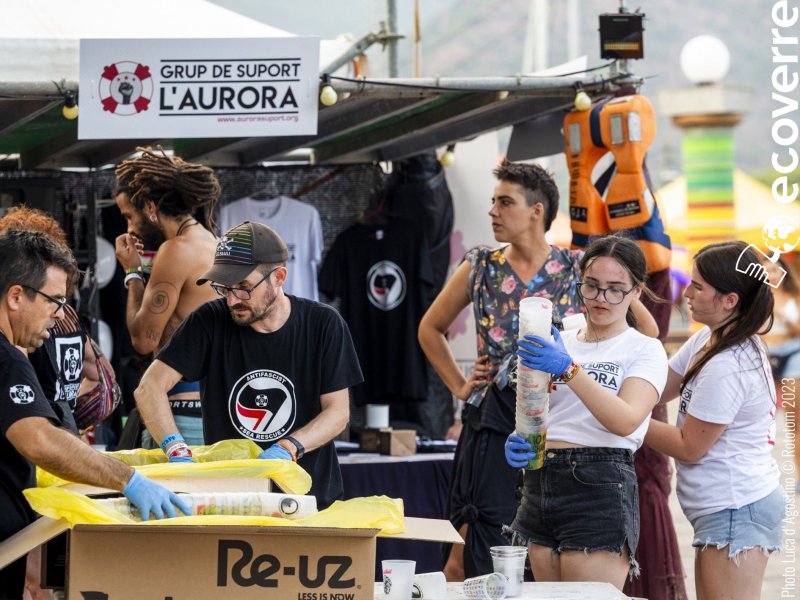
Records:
x=486, y=587
x=429, y=586
x=377, y=416
x=510, y=561
x=398, y=578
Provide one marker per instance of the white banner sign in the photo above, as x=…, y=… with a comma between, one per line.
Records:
x=198, y=88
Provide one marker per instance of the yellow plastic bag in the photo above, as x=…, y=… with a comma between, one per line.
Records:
x=228, y=458
x=289, y=476
x=58, y=503
x=376, y=512
x=225, y=450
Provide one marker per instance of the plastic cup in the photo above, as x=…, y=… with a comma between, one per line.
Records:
x=430, y=586
x=377, y=416
x=398, y=578
x=535, y=316
x=510, y=561
x=486, y=587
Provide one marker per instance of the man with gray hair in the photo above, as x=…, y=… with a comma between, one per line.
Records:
x=33, y=283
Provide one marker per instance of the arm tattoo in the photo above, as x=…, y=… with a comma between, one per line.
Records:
x=159, y=302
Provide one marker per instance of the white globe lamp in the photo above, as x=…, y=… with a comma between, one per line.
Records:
x=705, y=59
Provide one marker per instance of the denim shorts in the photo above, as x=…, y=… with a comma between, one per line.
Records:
x=756, y=525
x=583, y=499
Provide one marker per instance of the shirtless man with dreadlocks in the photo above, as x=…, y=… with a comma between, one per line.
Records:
x=158, y=195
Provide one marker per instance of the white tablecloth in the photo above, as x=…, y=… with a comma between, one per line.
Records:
x=542, y=591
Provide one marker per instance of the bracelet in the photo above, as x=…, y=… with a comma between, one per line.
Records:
x=289, y=447
x=299, y=448
x=179, y=449
x=171, y=439
x=131, y=276
x=570, y=372
x=139, y=269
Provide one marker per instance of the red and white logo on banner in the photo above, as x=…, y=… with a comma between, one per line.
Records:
x=126, y=88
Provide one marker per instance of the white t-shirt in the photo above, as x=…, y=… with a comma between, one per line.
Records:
x=735, y=389
x=609, y=362
x=300, y=227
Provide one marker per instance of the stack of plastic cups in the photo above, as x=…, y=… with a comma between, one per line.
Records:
x=533, y=387
x=287, y=506
x=510, y=561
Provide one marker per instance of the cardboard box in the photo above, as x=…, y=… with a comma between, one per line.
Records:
x=189, y=562
x=394, y=442
x=195, y=562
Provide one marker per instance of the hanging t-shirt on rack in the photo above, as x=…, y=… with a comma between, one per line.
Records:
x=381, y=273
x=297, y=223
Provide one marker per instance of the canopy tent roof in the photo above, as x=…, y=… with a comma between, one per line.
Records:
x=753, y=207
x=378, y=120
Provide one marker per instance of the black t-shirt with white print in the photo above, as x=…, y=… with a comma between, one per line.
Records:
x=21, y=397
x=263, y=386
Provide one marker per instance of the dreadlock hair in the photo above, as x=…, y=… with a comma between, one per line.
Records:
x=536, y=182
x=753, y=313
x=175, y=186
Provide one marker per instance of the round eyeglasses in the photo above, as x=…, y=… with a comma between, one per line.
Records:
x=240, y=293
x=590, y=291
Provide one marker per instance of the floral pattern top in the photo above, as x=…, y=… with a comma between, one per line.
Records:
x=496, y=291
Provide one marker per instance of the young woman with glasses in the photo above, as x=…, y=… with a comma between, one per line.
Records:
x=579, y=514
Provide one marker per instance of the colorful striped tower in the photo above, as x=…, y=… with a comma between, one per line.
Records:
x=708, y=164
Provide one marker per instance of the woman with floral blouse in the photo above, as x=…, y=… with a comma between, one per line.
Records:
x=482, y=492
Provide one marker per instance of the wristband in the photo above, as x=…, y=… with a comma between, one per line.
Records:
x=179, y=450
x=289, y=447
x=131, y=276
x=171, y=439
x=298, y=447
x=133, y=270
x=570, y=372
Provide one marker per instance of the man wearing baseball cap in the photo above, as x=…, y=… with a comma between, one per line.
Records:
x=272, y=367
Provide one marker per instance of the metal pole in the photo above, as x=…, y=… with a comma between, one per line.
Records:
x=573, y=30
x=392, y=26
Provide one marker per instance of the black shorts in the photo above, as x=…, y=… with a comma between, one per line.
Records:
x=581, y=499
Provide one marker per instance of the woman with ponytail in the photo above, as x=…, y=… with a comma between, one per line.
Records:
x=727, y=481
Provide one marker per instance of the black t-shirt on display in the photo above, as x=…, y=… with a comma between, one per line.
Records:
x=21, y=397
x=263, y=386
x=382, y=273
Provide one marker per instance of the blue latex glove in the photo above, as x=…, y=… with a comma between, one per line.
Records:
x=518, y=452
x=543, y=355
x=277, y=452
x=149, y=497
x=180, y=459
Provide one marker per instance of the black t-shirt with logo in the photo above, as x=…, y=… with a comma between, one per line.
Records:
x=21, y=397
x=263, y=386
x=58, y=364
x=382, y=273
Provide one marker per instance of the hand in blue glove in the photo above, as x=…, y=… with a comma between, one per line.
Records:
x=149, y=497
x=277, y=452
x=518, y=452
x=543, y=355
x=180, y=459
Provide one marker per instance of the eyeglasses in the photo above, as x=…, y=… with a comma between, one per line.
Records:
x=239, y=293
x=59, y=302
x=590, y=291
